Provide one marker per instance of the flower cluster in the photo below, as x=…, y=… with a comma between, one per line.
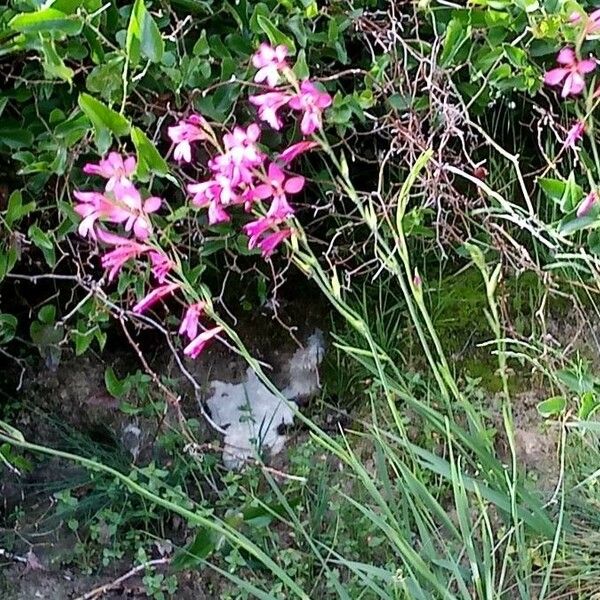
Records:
x=304, y=97
x=570, y=74
x=121, y=204
x=241, y=174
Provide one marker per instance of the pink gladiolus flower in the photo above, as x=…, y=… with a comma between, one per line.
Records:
x=242, y=155
x=277, y=186
x=312, y=101
x=268, y=104
x=269, y=244
x=572, y=73
x=592, y=21
x=189, y=323
x=217, y=214
x=269, y=61
x=129, y=197
x=122, y=205
x=208, y=194
x=289, y=154
x=161, y=265
x=125, y=250
x=95, y=206
x=195, y=347
x=113, y=168
x=574, y=134
x=255, y=229
x=154, y=296
x=189, y=130
x=587, y=204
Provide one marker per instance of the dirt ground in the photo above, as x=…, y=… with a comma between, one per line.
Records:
x=73, y=398
x=75, y=395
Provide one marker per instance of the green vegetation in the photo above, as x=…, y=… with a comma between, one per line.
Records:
x=444, y=233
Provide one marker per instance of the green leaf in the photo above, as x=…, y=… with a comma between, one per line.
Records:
x=47, y=19
x=82, y=341
x=144, y=29
x=148, y=157
x=552, y=407
x=114, y=387
x=572, y=223
x=104, y=119
x=553, y=188
x=45, y=334
x=16, y=210
x=8, y=327
x=8, y=259
x=201, y=47
x=197, y=552
x=575, y=381
x=528, y=6
x=589, y=405
x=47, y=314
x=456, y=35
x=39, y=238
x=275, y=35
x=53, y=64
x=593, y=242
x=301, y=67
x=567, y=194
x=15, y=137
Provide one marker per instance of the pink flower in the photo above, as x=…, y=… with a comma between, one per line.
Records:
x=312, y=101
x=154, y=296
x=195, y=347
x=208, y=194
x=574, y=134
x=572, y=73
x=121, y=205
x=255, y=229
x=95, y=206
x=269, y=61
x=592, y=21
x=113, y=168
x=587, y=204
x=294, y=150
x=125, y=250
x=189, y=323
x=161, y=265
x=241, y=157
x=269, y=244
x=130, y=199
x=189, y=130
x=268, y=105
x=277, y=186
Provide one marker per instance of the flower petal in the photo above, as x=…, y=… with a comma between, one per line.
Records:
x=587, y=65
x=555, y=76
x=566, y=56
x=195, y=347
x=294, y=184
x=152, y=204
x=574, y=83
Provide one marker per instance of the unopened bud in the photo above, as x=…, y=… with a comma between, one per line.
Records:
x=417, y=279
